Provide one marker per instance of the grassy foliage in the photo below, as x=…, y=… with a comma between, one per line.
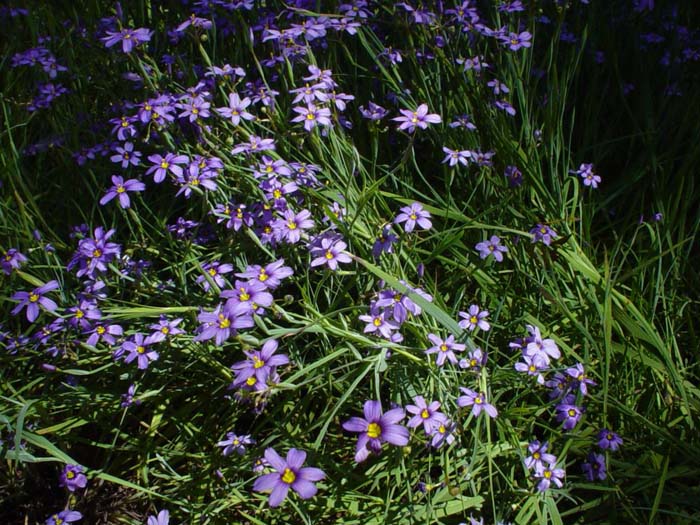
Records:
x=615, y=292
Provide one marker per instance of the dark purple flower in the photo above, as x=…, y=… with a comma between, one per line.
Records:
x=412, y=215
x=128, y=397
x=543, y=233
x=533, y=367
x=126, y=155
x=32, y=300
x=384, y=243
x=514, y=176
x=420, y=118
x=373, y=111
x=377, y=428
x=477, y=401
x=289, y=474
x=607, y=439
x=253, y=294
x=455, y=157
x=72, y=478
x=491, y=247
x=443, y=433
x=516, y=41
x=378, y=323
x=214, y=270
x=120, y=189
x=474, y=361
x=540, y=349
x=568, y=414
x=595, y=468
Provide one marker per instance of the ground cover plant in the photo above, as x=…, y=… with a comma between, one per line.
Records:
x=363, y=262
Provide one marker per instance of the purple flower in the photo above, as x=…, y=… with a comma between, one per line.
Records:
x=539, y=457
x=330, y=252
x=548, y=475
x=540, y=349
x=163, y=518
x=514, y=176
x=271, y=275
x=162, y=165
x=455, y=157
x=128, y=398
x=312, y=116
x=128, y=37
x=492, y=247
x=289, y=474
x=32, y=300
x=260, y=364
x=235, y=443
x=607, y=439
x=120, y=189
x=474, y=361
x=384, y=243
x=418, y=118
x=72, y=478
x=290, y=227
x=426, y=414
x=378, y=321
x=104, y=333
x=590, y=178
x=516, y=41
x=595, y=468
x=476, y=318
x=12, y=260
x=444, y=349
x=164, y=328
x=399, y=303
x=223, y=322
x=477, y=401
x=215, y=270
x=139, y=351
x=568, y=414
x=65, y=516
x=126, y=155
x=543, y=233
x=533, y=367
x=253, y=294
x=443, y=433
x=412, y=215
x=377, y=428
x=462, y=121
x=579, y=375
x=236, y=109
x=373, y=111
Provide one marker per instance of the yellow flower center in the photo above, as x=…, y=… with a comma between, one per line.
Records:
x=310, y=116
x=478, y=400
x=547, y=474
x=374, y=430
x=70, y=474
x=141, y=349
x=291, y=225
x=377, y=321
x=536, y=455
x=329, y=255
x=96, y=253
x=473, y=319
x=165, y=330
x=101, y=330
x=277, y=194
x=413, y=216
x=443, y=347
x=442, y=429
x=263, y=276
x=121, y=189
x=195, y=111
x=258, y=363
x=33, y=297
x=251, y=381
x=212, y=271
x=414, y=119
x=223, y=321
x=288, y=476
x=571, y=412
x=164, y=165
x=425, y=414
